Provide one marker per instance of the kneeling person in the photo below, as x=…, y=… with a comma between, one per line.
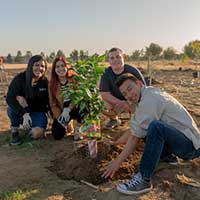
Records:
x=114, y=102
x=27, y=100
x=168, y=127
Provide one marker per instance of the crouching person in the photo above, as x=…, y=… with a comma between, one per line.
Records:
x=60, y=103
x=27, y=100
x=168, y=127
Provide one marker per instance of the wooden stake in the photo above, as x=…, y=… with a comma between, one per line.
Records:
x=90, y=184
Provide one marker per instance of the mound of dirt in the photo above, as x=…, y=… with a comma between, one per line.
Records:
x=78, y=165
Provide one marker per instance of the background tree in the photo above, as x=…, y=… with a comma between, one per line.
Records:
x=60, y=53
x=27, y=56
x=74, y=55
x=106, y=55
x=19, y=58
x=51, y=57
x=169, y=53
x=43, y=54
x=153, y=51
x=135, y=56
x=9, y=58
x=192, y=50
x=83, y=55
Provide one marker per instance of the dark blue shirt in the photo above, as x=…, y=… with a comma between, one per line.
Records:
x=108, y=78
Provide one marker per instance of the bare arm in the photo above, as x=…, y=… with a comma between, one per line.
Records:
x=123, y=139
x=117, y=104
x=106, y=96
x=114, y=165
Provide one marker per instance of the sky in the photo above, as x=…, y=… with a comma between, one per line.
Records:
x=96, y=25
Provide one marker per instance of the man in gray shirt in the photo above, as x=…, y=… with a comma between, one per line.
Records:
x=168, y=127
x=113, y=99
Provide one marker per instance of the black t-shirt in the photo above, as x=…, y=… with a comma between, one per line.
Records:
x=108, y=78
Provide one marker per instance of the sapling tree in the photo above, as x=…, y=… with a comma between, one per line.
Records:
x=85, y=93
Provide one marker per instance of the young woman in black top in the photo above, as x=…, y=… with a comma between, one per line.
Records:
x=27, y=100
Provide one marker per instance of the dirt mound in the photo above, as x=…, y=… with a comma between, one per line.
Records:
x=78, y=165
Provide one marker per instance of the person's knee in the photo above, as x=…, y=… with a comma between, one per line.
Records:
x=37, y=132
x=154, y=124
x=155, y=127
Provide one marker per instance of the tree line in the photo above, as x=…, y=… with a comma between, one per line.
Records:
x=153, y=51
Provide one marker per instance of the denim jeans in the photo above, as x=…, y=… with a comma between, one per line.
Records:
x=163, y=140
x=39, y=119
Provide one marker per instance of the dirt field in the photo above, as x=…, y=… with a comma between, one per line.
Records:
x=48, y=169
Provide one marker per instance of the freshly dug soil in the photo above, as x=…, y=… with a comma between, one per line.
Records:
x=77, y=164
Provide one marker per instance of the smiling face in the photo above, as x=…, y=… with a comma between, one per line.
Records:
x=39, y=69
x=116, y=61
x=131, y=90
x=61, y=69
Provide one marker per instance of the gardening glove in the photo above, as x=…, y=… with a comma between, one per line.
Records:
x=64, y=117
x=27, y=122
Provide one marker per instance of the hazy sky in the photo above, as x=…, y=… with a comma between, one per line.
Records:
x=96, y=25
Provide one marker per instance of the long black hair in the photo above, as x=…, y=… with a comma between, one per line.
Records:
x=29, y=74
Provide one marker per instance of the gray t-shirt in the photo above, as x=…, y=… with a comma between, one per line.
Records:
x=108, y=78
x=157, y=105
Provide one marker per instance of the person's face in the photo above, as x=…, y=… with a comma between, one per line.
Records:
x=131, y=91
x=38, y=69
x=116, y=61
x=60, y=68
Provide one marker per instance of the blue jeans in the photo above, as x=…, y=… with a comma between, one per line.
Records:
x=163, y=140
x=39, y=119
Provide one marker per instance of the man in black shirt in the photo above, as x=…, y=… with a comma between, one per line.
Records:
x=113, y=99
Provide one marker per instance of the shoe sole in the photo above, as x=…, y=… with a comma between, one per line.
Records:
x=15, y=144
x=119, y=189
x=170, y=163
x=173, y=163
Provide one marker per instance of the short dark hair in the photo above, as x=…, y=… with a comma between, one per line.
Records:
x=122, y=78
x=115, y=49
x=112, y=50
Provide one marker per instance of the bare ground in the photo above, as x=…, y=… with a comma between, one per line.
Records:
x=48, y=169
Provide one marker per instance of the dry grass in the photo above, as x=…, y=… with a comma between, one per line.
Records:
x=156, y=65
x=164, y=65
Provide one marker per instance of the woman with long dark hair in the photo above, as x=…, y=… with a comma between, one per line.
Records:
x=27, y=100
x=61, y=106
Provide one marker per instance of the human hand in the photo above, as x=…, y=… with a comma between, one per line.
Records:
x=108, y=141
x=64, y=117
x=27, y=121
x=111, y=169
x=122, y=106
